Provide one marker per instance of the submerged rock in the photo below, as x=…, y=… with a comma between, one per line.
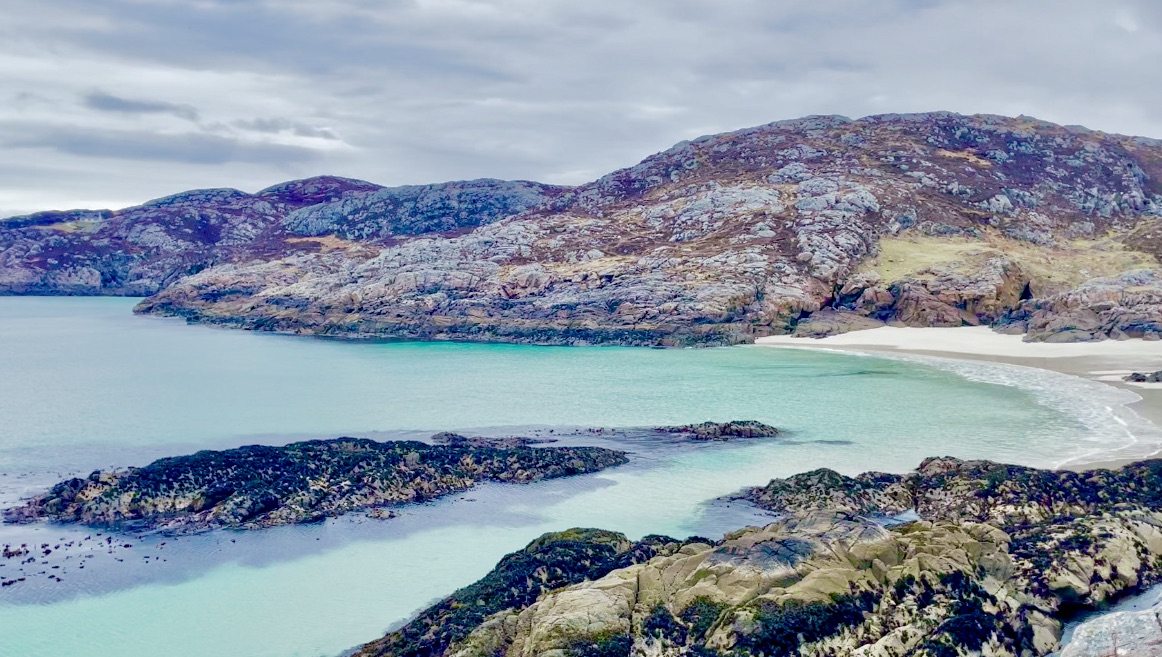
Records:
x=263, y=486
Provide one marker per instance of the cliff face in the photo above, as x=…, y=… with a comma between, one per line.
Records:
x=999, y=557
x=815, y=225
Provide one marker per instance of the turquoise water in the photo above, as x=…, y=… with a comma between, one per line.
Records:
x=84, y=384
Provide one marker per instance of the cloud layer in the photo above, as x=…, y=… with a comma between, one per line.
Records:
x=112, y=102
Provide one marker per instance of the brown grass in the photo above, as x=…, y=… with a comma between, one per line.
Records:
x=1051, y=268
x=967, y=156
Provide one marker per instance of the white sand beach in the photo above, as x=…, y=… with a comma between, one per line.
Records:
x=1107, y=361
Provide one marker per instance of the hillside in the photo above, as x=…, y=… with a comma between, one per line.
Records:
x=814, y=226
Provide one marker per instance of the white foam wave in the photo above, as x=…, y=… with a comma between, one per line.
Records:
x=1110, y=429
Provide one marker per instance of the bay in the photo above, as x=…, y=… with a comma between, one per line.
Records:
x=85, y=384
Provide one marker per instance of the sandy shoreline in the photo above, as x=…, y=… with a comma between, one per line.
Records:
x=1106, y=361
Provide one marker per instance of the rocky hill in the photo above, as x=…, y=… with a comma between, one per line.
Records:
x=812, y=226
x=141, y=250
x=999, y=557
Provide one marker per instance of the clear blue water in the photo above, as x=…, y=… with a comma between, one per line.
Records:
x=84, y=384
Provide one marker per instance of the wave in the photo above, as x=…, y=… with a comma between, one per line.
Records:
x=1111, y=430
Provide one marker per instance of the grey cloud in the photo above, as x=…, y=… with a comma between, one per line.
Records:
x=274, y=126
x=185, y=148
x=548, y=89
x=105, y=102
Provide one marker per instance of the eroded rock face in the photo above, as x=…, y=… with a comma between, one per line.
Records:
x=1126, y=306
x=1000, y=556
x=262, y=486
x=713, y=241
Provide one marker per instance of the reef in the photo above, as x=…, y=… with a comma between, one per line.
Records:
x=723, y=431
x=263, y=486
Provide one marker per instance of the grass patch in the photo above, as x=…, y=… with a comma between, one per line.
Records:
x=1050, y=268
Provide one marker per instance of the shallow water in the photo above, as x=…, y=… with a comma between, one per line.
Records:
x=85, y=384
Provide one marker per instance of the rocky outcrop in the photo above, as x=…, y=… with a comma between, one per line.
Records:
x=262, y=486
x=723, y=431
x=1125, y=306
x=994, y=220
x=1136, y=633
x=1140, y=377
x=1007, y=496
x=551, y=562
x=1000, y=556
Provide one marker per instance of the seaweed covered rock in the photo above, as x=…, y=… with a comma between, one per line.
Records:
x=723, y=430
x=981, y=491
x=815, y=584
x=1001, y=557
x=263, y=486
x=458, y=440
x=550, y=562
x=831, y=584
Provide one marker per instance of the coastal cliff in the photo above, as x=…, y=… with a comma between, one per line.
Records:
x=811, y=226
x=999, y=557
x=261, y=486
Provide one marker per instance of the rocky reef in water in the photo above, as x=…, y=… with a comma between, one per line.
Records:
x=723, y=431
x=811, y=226
x=261, y=486
x=999, y=557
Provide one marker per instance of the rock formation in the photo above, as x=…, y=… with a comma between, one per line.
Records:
x=1141, y=377
x=1131, y=633
x=812, y=226
x=262, y=486
x=550, y=562
x=723, y=431
x=999, y=557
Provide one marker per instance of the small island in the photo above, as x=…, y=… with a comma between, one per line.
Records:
x=264, y=486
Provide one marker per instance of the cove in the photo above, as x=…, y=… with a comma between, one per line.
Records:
x=85, y=384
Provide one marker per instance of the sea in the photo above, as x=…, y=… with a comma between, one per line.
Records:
x=85, y=384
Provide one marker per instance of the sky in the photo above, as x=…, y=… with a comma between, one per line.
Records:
x=109, y=103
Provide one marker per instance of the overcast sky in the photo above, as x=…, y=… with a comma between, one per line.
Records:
x=108, y=103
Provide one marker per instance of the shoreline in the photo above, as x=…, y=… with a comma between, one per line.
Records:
x=1105, y=362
